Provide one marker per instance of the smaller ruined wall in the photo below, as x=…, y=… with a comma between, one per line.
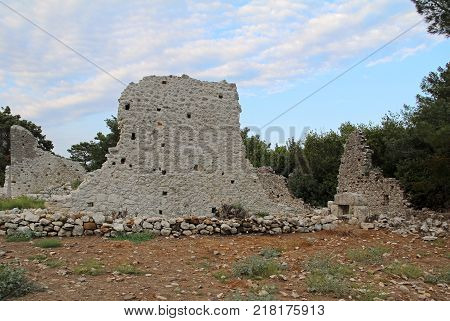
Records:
x=357, y=175
x=34, y=170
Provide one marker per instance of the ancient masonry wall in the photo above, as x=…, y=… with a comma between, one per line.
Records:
x=360, y=184
x=34, y=170
x=180, y=153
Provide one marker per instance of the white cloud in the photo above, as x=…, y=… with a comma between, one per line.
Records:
x=263, y=44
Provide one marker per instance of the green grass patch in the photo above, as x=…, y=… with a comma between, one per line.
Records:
x=43, y=259
x=369, y=294
x=20, y=237
x=328, y=277
x=221, y=276
x=21, y=202
x=48, y=243
x=75, y=184
x=408, y=270
x=90, y=267
x=442, y=276
x=439, y=242
x=368, y=255
x=128, y=269
x=263, y=293
x=14, y=283
x=270, y=253
x=134, y=237
x=262, y=214
x=256, y=267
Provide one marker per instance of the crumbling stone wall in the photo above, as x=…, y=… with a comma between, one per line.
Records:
x=180, y=153
x=362, y=189
x=34, y=170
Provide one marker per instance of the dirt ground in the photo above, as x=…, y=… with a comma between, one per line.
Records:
x=191, y=268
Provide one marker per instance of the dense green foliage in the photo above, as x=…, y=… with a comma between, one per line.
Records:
x=14, y=283
x=412, y=146
x=437, y=14
x=93, y=154
x=7, y=119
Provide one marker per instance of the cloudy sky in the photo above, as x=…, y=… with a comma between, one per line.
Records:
x=276, y=51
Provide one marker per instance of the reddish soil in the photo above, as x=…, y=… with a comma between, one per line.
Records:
x=186, y=268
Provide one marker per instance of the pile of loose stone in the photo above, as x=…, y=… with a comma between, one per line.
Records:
x=41, y=222
x=430, y=225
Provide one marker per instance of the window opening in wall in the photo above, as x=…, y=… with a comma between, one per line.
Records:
x=164, y=82
x=195, y=167
x=220, y=96
x=164, y=193
x=133, y=136
x=130, y=166
x=127, y=106
x=232, y=181
x=188, y=115
x=114, y=163
x=122, y=161
x=345, y=209
x=163, y=172
x=162, y=144
x=90, y=204
x=213, y=210
x=160, y=211
x=158, y=109
x=223, y=173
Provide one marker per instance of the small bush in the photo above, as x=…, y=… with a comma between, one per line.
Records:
x=128, y=269
x=369, y=294
x=90, y=267
x=21, y=202
x=38, y=258
x=134, y=237
x=256, y=267
x=14, y=283
x=264, y=293
x=48, y=243
x=328, y=277
x=411, y=271
x=442, y=276
x=221, y=276
x=262, y=214
x=232, y=211
x=368, y=255
x=270, y=253
x=75, y=184
x=53, y=263
x=20, y=237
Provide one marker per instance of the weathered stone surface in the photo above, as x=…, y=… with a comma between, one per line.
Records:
x=357, y=176
x=180, y=152
x=89, y=226
x=34, y=170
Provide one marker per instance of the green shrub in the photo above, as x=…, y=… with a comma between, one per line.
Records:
x=20, y=237
x=128, y=269
x=52, y=263
x=21, y=202
x=75, y=184
x=270, y=253
x=256, y=267
x=408, y=270
x=368, y=255
x=328, y=277
x=38, y=258
x=264, y=293
x=134, y=237
x=368, y=293
x=48, y=243
x=262, y=214
x=14, y=283
x=442, y=276
x=221, y=276
x=90, y=267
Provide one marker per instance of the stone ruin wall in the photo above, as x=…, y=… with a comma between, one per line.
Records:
x=34, y=170
x=180, y=153
x=360, y=184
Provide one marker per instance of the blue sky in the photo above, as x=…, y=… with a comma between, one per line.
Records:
x=276, y=51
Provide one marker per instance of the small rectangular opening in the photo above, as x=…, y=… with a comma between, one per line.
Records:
x=345, y=209
x=163, y=172
x=160, y=211
x=220, y=96
x=213, y=210
x=164, y=82
x=123, y=160
x=164, y=193
x=90, y=204
x=133, y=136
x=127, y=106
x=232, y=181
x=195, y=167
x=162, y=144
x=158, y=109
x=188, y=115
